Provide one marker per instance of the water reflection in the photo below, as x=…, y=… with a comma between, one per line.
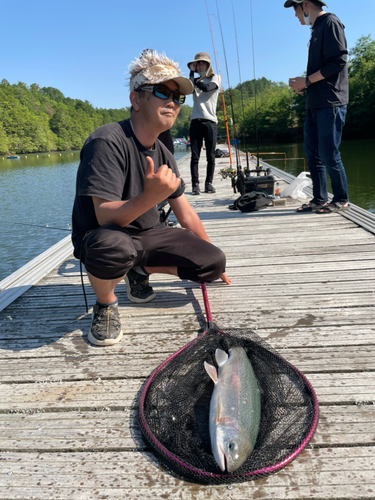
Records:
x=358, y=159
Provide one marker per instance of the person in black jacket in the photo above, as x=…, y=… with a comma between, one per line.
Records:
x=327, y=96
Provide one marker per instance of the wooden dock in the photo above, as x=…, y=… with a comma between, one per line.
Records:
x=304, y=282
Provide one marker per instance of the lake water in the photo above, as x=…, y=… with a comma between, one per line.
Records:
x=36, y=200
x=358, y=157
x=37, y=193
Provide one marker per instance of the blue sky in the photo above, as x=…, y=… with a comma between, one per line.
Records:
x=83, y=48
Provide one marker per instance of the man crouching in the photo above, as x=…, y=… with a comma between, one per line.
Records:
x=124, y=172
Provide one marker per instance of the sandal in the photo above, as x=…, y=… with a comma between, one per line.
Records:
x=310, y=207
x=333, y=207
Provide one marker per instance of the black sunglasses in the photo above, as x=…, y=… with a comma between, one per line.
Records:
x=164, y=92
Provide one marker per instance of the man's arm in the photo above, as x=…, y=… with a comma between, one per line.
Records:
x=205, y=87
x=335, y=56
x=157, y=187
x=335, y=50
x=189, y=219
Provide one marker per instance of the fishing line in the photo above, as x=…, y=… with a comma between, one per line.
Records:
x=255, y=89
x=217, y=67
x=239, y=73
x=222, y=97
x=216, y=56
x=230, y=93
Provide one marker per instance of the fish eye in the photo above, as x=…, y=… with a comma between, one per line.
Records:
x=232, y=446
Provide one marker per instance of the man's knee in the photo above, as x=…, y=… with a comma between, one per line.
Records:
x=212, y=267
x=218, y=265
x=108, y=253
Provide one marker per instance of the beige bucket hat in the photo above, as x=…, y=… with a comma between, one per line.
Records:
x=203, y=56
x=152, y=68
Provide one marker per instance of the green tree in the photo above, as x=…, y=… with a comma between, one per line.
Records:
x=181, y=126
x=361, y=110
x=42, y=119
x=4, y=142
x=53, y=94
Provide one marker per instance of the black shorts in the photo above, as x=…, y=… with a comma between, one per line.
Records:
x=109, y=252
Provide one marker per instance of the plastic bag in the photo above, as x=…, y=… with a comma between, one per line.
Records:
x=295, y=189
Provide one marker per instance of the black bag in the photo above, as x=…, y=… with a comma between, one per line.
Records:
x=249, y=202
x=220, y=153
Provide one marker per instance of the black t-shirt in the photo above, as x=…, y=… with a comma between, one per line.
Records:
x=328, y=53
x=113, y=164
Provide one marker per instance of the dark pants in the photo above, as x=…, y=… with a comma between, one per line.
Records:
x=109, y=252
x=199, y=130
x=322, y=138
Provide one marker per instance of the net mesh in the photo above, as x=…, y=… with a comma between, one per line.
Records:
x=175, y=402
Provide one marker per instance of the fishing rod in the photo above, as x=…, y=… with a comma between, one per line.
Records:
x=39, y=225
x=221, y=87
x=255, y=88
x=239, y=73
x=230, y=97
x=229, y=171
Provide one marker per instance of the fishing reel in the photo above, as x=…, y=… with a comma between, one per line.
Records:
x=228, y=173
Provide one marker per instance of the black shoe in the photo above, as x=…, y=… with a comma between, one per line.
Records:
x=209, y=188
x=137, y=287
x=196, y=189
x=106, y=326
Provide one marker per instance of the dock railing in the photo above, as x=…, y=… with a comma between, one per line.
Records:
x=24, y=278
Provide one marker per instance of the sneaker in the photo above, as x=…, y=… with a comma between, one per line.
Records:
x=138, y=288
x=209, y=188
x=196, y=189
x=106, y=326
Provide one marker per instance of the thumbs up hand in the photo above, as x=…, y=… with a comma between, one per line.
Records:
x=161, y=184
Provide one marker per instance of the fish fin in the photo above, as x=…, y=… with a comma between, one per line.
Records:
x=211, y=370
x=221, y=357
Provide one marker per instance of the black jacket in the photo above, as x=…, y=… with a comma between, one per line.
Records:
x=328, y=53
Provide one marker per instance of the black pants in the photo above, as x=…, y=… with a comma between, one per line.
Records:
x=199, y=130
x=109, y=252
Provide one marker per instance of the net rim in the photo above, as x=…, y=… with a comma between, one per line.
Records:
x=265, y=470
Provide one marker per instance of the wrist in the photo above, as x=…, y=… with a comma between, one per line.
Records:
x=307, y=81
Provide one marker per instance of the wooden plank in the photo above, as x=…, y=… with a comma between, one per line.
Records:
x=73, y=343
x=58, y=323
x=349, y=278
x=346, y=473
x=231, y=299
x=131, y=364
x=53, y=394
x=100, y=430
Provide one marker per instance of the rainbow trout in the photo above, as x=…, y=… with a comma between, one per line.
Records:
x=234, y=408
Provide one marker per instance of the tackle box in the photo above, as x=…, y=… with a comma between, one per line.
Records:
x=265, y=183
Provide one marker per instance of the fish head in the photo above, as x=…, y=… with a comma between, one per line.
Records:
x=226, y=449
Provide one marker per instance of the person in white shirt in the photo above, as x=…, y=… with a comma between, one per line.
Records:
x=203, y=120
